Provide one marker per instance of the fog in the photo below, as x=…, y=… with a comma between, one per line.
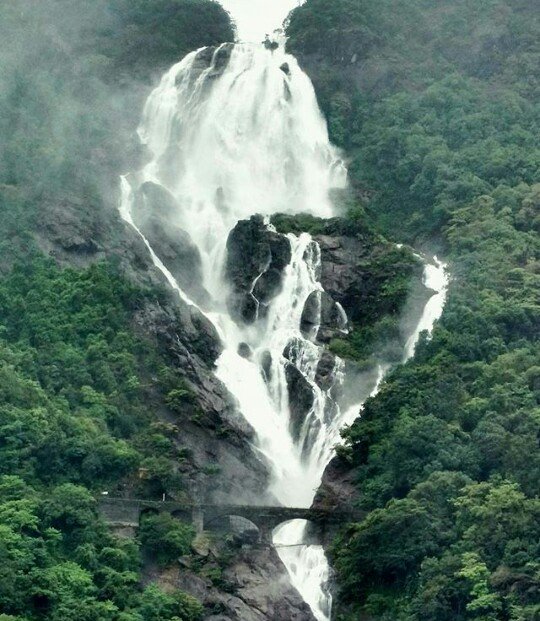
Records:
x=256, y=18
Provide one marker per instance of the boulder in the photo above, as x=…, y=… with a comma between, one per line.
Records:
x=244, y=350
x=325, y=373
x=256, y=258
x=322, y=318
x=301, y=398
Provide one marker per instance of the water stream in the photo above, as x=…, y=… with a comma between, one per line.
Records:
x=233, y=132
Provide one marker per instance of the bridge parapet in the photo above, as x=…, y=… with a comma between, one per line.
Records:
x=127, y=512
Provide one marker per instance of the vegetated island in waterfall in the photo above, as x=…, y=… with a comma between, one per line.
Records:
x=109, y=380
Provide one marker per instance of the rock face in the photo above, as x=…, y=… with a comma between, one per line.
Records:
x=337, y=487
x=345, y=270
x=211, y=429
x=301, y=398
x=258, y=589
x=217, y=58
x=322, y=318
x=154, y=212
x=256, y=258
x=325, y=373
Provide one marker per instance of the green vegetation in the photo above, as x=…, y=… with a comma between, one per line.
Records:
x=436, y=104
x=165, y=537
x=385, y=278
x=72, y=422
x=75, y=380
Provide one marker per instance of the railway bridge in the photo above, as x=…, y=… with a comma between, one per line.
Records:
x=262, y=520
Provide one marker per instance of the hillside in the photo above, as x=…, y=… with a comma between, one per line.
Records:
x=436, y=106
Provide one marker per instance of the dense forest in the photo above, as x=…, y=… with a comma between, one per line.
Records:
x=436, y=107
x=75, y=377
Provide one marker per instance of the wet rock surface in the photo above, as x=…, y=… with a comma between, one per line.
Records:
x=345, y=274
x=337, y=488
x=256, y=258
x=154, y=212
x=322, y=319
x=325, y=373
x=301, y=398
x=258, y=589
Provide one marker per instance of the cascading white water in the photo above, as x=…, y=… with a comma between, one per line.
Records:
x=227, y=143
x=307, y=564
x=234, y=132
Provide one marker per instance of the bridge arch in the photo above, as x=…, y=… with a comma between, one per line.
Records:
x=148, y=512
x=237, y=525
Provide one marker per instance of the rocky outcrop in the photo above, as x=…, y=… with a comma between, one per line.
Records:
x=325, y=374
x=301, y=398
x=345, y=270
x=322, y=318
x=211, y=429
x=337, y=489
x=256, y=258
x=154, y=213
x=214, y=58
x=257, y=588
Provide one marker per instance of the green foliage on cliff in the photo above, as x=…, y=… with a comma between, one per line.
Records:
x=436, y=104
x=74, y=416
x=165, y=537
x=72, y=422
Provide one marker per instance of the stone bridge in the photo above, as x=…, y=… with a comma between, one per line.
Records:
x=126, y=513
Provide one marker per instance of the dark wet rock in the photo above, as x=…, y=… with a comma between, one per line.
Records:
x=266, y=365
x=246, y=307
x=153, y=200
x=222, y=58
x=285, y=68
x=292, y=350
x=210, y=426
x=244, y=350
x=345, y=270
x=259, y=588
x=337, y=489
x=301, y=398
x=256, y=258
x=322, y=318
x=214, y=58
x=311, y=315
x=325, y=374
x=268, y=285
x=333, y=320
x=201, y=62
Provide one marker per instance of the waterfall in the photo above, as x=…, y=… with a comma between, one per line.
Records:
x=235, y=131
